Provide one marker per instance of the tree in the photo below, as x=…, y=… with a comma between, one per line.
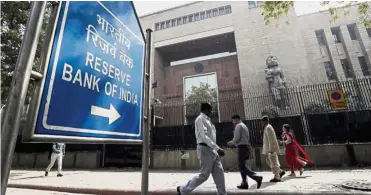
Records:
x=14, y=16
x=197, y=95
x=275, y=10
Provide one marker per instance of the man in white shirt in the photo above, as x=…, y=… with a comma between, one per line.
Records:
x=208, y=153
x=271, y=149
x=59, y=149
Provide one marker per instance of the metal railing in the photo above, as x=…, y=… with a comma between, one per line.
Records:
x=308, y=111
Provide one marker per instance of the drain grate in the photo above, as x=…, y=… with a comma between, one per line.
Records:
x=358, y=185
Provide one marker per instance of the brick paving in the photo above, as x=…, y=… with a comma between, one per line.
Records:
x=165, y=182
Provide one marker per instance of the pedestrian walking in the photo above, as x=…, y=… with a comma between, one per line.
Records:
x=241, y=139
x=293, y=160
x=271, y=150
x=208, y=153
x=59, y=150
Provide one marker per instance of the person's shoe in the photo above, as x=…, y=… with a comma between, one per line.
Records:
x=301, y=171
x=292, y=175
x=243, y=185
x=275, y=180
x=46, y=173
x=304, y=163
x=59, y=175
x=259, y=181
x=178, y=190
x=282, y=173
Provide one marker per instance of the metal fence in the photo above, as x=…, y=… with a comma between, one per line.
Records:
x=308, y=111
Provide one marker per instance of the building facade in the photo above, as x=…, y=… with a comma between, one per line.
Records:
x=225, y=45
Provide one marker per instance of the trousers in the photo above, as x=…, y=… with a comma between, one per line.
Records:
x=209, y=164
x=53, y=158
x=243, y=155
x=274, y=164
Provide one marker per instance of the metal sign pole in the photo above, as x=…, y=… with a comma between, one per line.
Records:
x=146, y=127
x=19, y=88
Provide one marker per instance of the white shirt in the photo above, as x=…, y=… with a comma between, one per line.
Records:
x=270, y=143
x=205, y=131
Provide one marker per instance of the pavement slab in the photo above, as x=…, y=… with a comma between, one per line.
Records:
x=113, y=182
x=18, y=191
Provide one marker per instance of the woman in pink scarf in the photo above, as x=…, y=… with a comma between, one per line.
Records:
x=293, y=160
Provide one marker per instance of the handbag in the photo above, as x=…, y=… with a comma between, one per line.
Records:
x=251, y=153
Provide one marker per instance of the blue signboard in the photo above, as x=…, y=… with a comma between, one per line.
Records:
x=94, y=82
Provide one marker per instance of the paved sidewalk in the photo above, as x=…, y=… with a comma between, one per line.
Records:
x=17, y=191
x=128, y=182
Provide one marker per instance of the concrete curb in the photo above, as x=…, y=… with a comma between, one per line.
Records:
x=101, y=191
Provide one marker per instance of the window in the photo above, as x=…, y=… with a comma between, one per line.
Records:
x=185, y=20
x=336, y=34
x=348, y=71
x=221, y=11
x=168, y=24
x=215, y=12
x=173, y=22
x=365, y=69
x=252, y=4
x=228, y=9
x=202, y=15
x=330, y=72
x=190, y=18
x=157, y=26
x=368, y=31
x=179, y=21
x=162, y=25
x=208, y=14
x=260, y=3
x=320, y=34
x=352, y=31
x=197, y=16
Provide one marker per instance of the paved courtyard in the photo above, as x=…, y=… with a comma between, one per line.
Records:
x=165, y=182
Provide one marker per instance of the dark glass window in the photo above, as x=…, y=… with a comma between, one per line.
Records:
x=168, y=24
x=365, y=69
x=252, y=4
x=348, y=71
x=215, y=12
x=208, y=14
x=157, y=26
x=190, y=18
x=173, y=22
x=185, y=20
x=197, y=16
x=202, y=15
x=330, y=72
x=320, y=34
x=368, y=31
x=336, y=34
x=221, y=11
x=352, y=31
x=228, y=9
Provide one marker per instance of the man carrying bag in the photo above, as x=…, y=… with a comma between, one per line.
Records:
x=241, y=139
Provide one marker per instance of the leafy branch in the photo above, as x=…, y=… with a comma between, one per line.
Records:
x=275, y=10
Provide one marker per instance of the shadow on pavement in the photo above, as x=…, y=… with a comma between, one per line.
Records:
x=297, y=177
x=284, y=179
x=42, y=176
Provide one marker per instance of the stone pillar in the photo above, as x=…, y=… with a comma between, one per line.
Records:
x=334, y=55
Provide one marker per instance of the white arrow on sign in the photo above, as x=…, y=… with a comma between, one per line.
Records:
x=111, y=114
